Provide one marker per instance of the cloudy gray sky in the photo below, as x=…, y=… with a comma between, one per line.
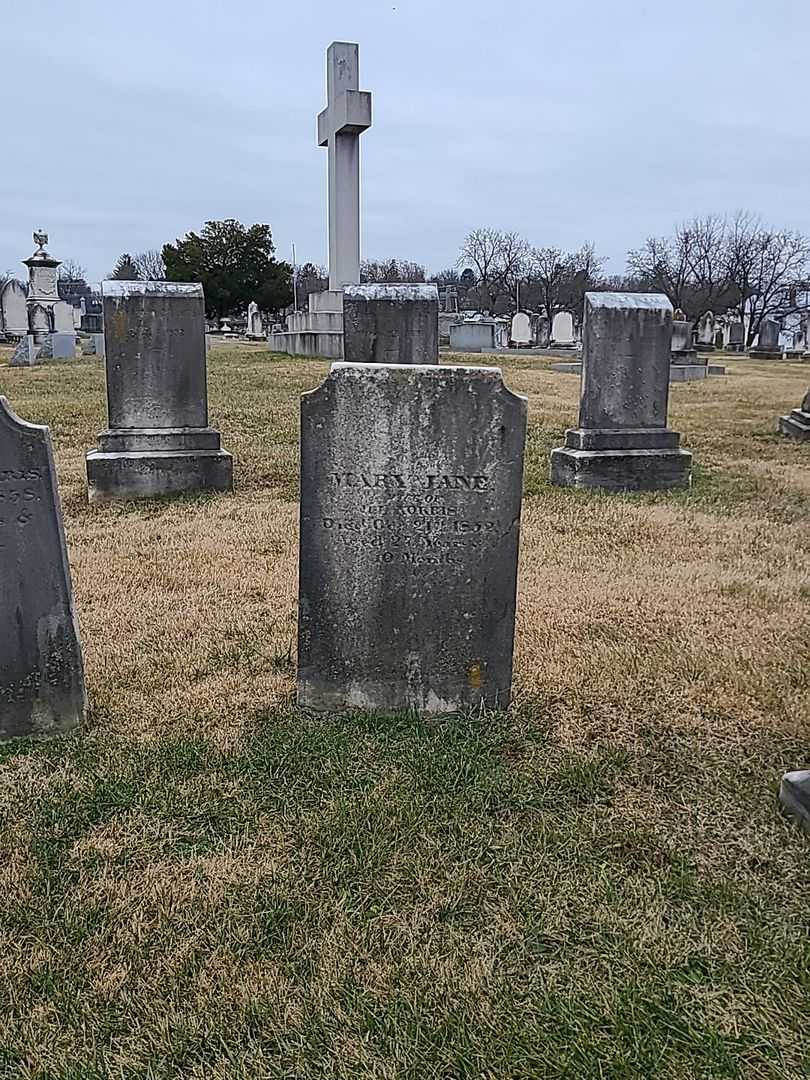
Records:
x=124, y=125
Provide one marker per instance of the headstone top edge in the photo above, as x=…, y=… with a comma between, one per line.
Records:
x=11, y=418
x=386, y=291
x=125, y=289
x=628, y=300
x=437, y=370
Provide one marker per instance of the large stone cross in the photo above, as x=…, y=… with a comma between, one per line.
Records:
x=346, y=116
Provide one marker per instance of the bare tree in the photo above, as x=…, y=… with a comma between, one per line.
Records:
x=310, y=278
x=150, y=265
x=390, y=270
x=500, y=260
x=450, y=276
x=664, y=264
x=770, y=271
x=70, y=270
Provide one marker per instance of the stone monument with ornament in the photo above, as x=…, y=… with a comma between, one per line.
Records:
x=50, y=334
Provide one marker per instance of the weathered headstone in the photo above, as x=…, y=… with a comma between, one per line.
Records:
x=63, y=318
x=562, y=330
x=736, y=336
x=474, y=335
x=705, y=332
x=159, y=441
x=410, y=513
x=797, y=424
x=521, y=332
x=27, y=352
x=391, y=324
x=41, y=678
x=682, y=348
x=254, y=327
x=13, y=310
x=767, y=346
x=623, y=442
x=794, y=795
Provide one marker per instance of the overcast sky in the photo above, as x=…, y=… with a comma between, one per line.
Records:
x=125, y=125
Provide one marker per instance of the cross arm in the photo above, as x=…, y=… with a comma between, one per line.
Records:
x=350, y=114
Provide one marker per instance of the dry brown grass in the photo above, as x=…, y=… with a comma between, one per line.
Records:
x=597, y=884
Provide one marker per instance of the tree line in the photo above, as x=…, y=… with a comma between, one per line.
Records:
x=710, y=263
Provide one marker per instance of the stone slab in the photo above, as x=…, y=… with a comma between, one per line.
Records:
x=151, y=475
x=327, y=345
x=391, y=324
x=715, y=369
x=796, y=425
x=625, y=360
x=574, y=368
x=42, y=688
x=621, y=470
x=794, y=795
x=687, y=372
x=63, y=346
x=410, y=512
x=26, y=353
x=155, y=336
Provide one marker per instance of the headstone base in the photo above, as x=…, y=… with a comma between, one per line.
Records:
x=765, y=354
x=630, y=459
x=794, y=795
x=796, y=425
x=687, y=372
x=149, y=474
x=686, y=356
x=26, y=353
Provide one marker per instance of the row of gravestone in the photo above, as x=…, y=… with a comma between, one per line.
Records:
x=411, y=481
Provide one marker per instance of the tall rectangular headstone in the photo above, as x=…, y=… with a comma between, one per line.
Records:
x=410, y=513
x=391, y=324
x=623, y=442
x=768, y=346
x=41, y=677
x=158, y=441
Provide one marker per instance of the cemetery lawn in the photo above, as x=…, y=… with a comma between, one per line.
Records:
x=207, y=883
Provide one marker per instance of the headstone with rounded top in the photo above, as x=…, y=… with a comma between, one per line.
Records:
x=521, y=332
x=562, y=330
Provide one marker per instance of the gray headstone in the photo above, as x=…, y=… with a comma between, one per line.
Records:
x=26, y=354
x=159, y=441
x=391, y=324
x=623, y=442
x=63, y=346
x=796, y=425
x=41, y=677
x=768, y=344
x=794, y=795
x=13, y=308
x=410, y=513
